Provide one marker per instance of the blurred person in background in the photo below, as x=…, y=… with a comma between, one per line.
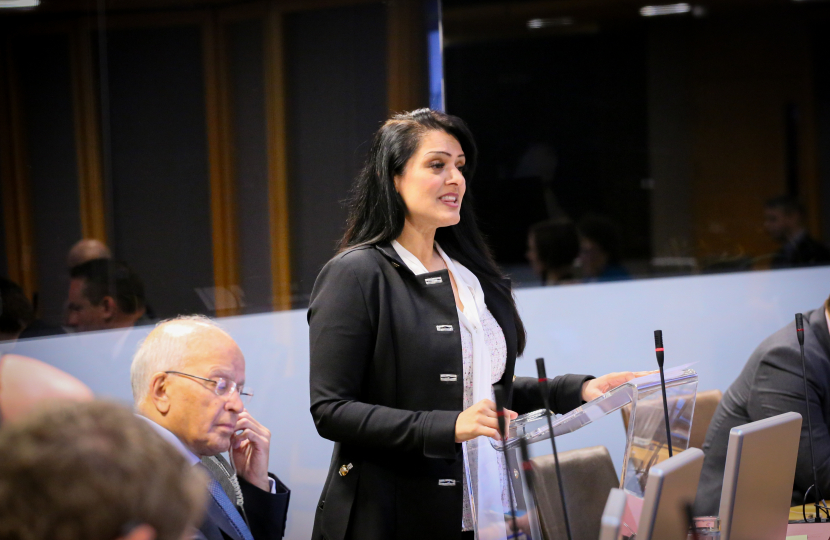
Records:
x=784, y=222
x=104, y=294
x=188, y=381
x=600, y=249
x=26, y=383
x=552, y=247
x=17, y=316
x=87, y=250
x=94, y=471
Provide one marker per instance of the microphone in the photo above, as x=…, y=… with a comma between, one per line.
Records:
x=799, y=331
x=543, y=389
x=528, y=470
x=658, y=349
x=499, y=392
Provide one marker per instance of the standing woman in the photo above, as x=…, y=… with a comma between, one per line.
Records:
x=410, y=325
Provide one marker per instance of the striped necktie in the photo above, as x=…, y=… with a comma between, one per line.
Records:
x=230, y=510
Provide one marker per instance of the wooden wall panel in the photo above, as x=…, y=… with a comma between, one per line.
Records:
x=745, y=75
x=88, y=135
x=275, y=105
x=407, y=55
x=17, y=209
x=220, y=153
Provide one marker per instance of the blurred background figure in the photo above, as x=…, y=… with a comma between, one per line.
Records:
x=552, y=247
x=17, y=315
x=599, y=249
x=94, y=471
x=104, y=294
x=26, y=384
x=87, y=250
x=784, y=222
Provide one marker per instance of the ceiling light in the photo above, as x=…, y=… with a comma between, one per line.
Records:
x=19, y=3
x=535, y=24
x=667, y=9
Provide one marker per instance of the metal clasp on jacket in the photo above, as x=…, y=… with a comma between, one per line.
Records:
x=344, y=469
x=444, y=327
x=433, y=280
x=449, y=377
x=446, y=482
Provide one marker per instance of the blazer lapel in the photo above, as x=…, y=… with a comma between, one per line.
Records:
x=217, y=516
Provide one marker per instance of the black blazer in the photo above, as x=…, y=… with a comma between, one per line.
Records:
x=266, y=514
x=377, y=360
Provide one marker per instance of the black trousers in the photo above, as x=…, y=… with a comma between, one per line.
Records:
x=468, y=535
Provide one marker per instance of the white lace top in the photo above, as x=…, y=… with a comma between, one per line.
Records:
x=494, y=337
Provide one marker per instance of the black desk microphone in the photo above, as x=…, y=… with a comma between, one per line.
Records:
x=499, y=392
x=658, y=348
x=799, y=330
x=543, y=389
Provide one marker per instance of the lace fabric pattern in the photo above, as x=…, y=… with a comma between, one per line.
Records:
x=494, y=337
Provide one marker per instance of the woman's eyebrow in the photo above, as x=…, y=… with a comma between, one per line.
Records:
x=442, y=152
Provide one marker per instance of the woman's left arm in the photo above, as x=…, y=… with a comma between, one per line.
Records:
x=566, y=392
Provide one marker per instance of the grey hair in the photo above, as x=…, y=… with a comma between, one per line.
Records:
x=165, y=348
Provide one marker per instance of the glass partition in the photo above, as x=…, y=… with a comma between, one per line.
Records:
x=646, y=446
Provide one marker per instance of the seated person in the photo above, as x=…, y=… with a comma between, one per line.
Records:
x=188, y=380
x=552, y=247
x=600, y=250
x=94, y=471
x=784, y=222
x=770, y=384
x=17, y=316
x=104, y=294
x=25, y=383
x=86, y=250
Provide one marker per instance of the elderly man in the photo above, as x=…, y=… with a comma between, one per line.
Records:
x=188, y=380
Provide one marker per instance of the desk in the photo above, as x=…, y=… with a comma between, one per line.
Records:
x=814, y=531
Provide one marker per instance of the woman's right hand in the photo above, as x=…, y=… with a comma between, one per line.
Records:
x=481, y=419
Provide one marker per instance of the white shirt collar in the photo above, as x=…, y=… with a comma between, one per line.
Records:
x=170, y=437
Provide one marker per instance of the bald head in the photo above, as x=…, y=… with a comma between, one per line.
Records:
x=186, y=377
x=86, y=250
x=29, y=383
x=169, y=346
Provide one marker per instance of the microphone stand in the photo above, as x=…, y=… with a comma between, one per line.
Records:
x=799, y=330
x=543, y=389
x=658, y=348
x=499, y=392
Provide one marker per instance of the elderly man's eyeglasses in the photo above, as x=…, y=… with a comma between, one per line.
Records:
x=222, y=387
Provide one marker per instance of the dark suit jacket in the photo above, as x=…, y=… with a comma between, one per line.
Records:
x=805, y=251
x=376, y=390
x=266, y=514
x=771, y=384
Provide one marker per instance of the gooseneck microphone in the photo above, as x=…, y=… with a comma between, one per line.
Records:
x=543, y=389
x=499, y=392
x=799, y=330
x=658, y=349
x=526, y=467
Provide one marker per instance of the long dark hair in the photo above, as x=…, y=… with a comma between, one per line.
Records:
x=377, y=211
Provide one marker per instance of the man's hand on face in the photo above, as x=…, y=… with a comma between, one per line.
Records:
x=249, y=451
